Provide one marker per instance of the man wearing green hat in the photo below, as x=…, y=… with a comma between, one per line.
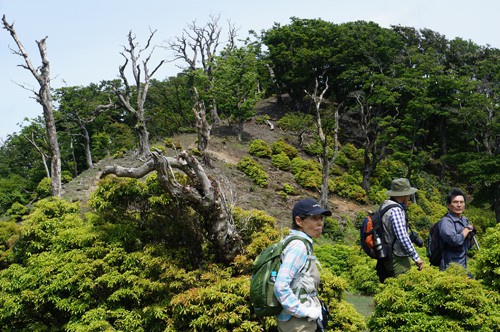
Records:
x=396, y=233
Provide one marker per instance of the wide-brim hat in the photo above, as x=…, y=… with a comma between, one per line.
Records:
x=401, y=187
x=309, y=207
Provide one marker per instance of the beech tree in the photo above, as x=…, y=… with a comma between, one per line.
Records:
x=79, y=107
x=44, y=98
x=236, y=84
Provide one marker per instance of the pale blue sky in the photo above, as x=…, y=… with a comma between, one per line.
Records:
x=86, y=36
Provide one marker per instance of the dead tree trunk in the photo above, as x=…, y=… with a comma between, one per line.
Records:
x=203, y=128
x=326, y=162
x=40, y=151
x=203, y=194
x=141, y=82
x=44, y=98
x=197, y=47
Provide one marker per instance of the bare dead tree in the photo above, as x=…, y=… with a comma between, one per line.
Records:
x=203, y=128
x=197, y=47
x=44, y=98
x=40, y=151
x=277, y=87
x=326, y=162
x=142, y=77
x=202, y=193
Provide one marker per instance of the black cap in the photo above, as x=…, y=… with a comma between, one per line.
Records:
x=308, y=207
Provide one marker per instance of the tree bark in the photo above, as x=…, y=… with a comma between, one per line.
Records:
x=197, y=46
x=203, y=128
x=203, y=194
x=325, y=161
x=142, y=83
x=44, y=98
x=40, y=151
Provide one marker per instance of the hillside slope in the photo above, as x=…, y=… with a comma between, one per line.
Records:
x=226, y=151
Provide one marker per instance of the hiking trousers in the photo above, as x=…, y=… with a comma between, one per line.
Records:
x=297, y=325
x=387, y=268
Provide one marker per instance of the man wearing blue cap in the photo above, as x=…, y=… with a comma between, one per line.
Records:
x=297, y=282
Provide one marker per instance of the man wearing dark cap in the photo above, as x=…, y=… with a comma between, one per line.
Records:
x=298, y=277
x=396, y=233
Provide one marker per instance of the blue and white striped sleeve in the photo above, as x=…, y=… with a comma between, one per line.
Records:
x=294, y=259
x=399, y=226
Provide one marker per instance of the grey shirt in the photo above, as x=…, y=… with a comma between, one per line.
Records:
x=455, y=247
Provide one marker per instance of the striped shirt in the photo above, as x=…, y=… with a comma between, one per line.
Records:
x=401, y=232
x=294, y=258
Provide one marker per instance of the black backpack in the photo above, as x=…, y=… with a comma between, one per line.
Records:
x=371, y=229
x=434, y=247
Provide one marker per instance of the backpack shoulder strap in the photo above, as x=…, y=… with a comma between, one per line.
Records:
x=388, y=207
x=308, y=247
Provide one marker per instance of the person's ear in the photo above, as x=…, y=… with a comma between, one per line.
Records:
x=298, y=221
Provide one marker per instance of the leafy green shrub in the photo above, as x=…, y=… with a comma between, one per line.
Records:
x=487, y=260
x=281, y=161
x=430, y=300
x=259, y=241
x=482, y=217
x=351, y=264
x=9, y=232
x=135, y=212
x=249, y=222
x=69, y=277
x=13, y=189
x=48, y=228
x=309, y=178
x=254, y=170
x=288, y=189
x=342, y=160
x=316, y=149
x=343, y=316
x=297, y=164
x=66, y=176
x=280, y=146
x=350, y=151
x=348, y=186
x=44, y=188
x=17, y=211
x=220, y=306
x=307, y=172
x=334, y=257
x=294, y=121
x=260, y=148
x=332, y=230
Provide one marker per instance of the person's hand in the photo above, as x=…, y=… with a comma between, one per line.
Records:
x=466, y=232
x=313, y=313
x=420, y=263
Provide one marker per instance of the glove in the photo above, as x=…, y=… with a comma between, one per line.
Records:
x=313, y=313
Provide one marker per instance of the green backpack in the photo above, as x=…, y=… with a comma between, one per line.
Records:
x=264, y=272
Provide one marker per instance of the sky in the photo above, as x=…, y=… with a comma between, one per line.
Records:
x=85, y=37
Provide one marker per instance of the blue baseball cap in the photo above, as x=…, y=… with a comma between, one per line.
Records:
x=308, y=207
